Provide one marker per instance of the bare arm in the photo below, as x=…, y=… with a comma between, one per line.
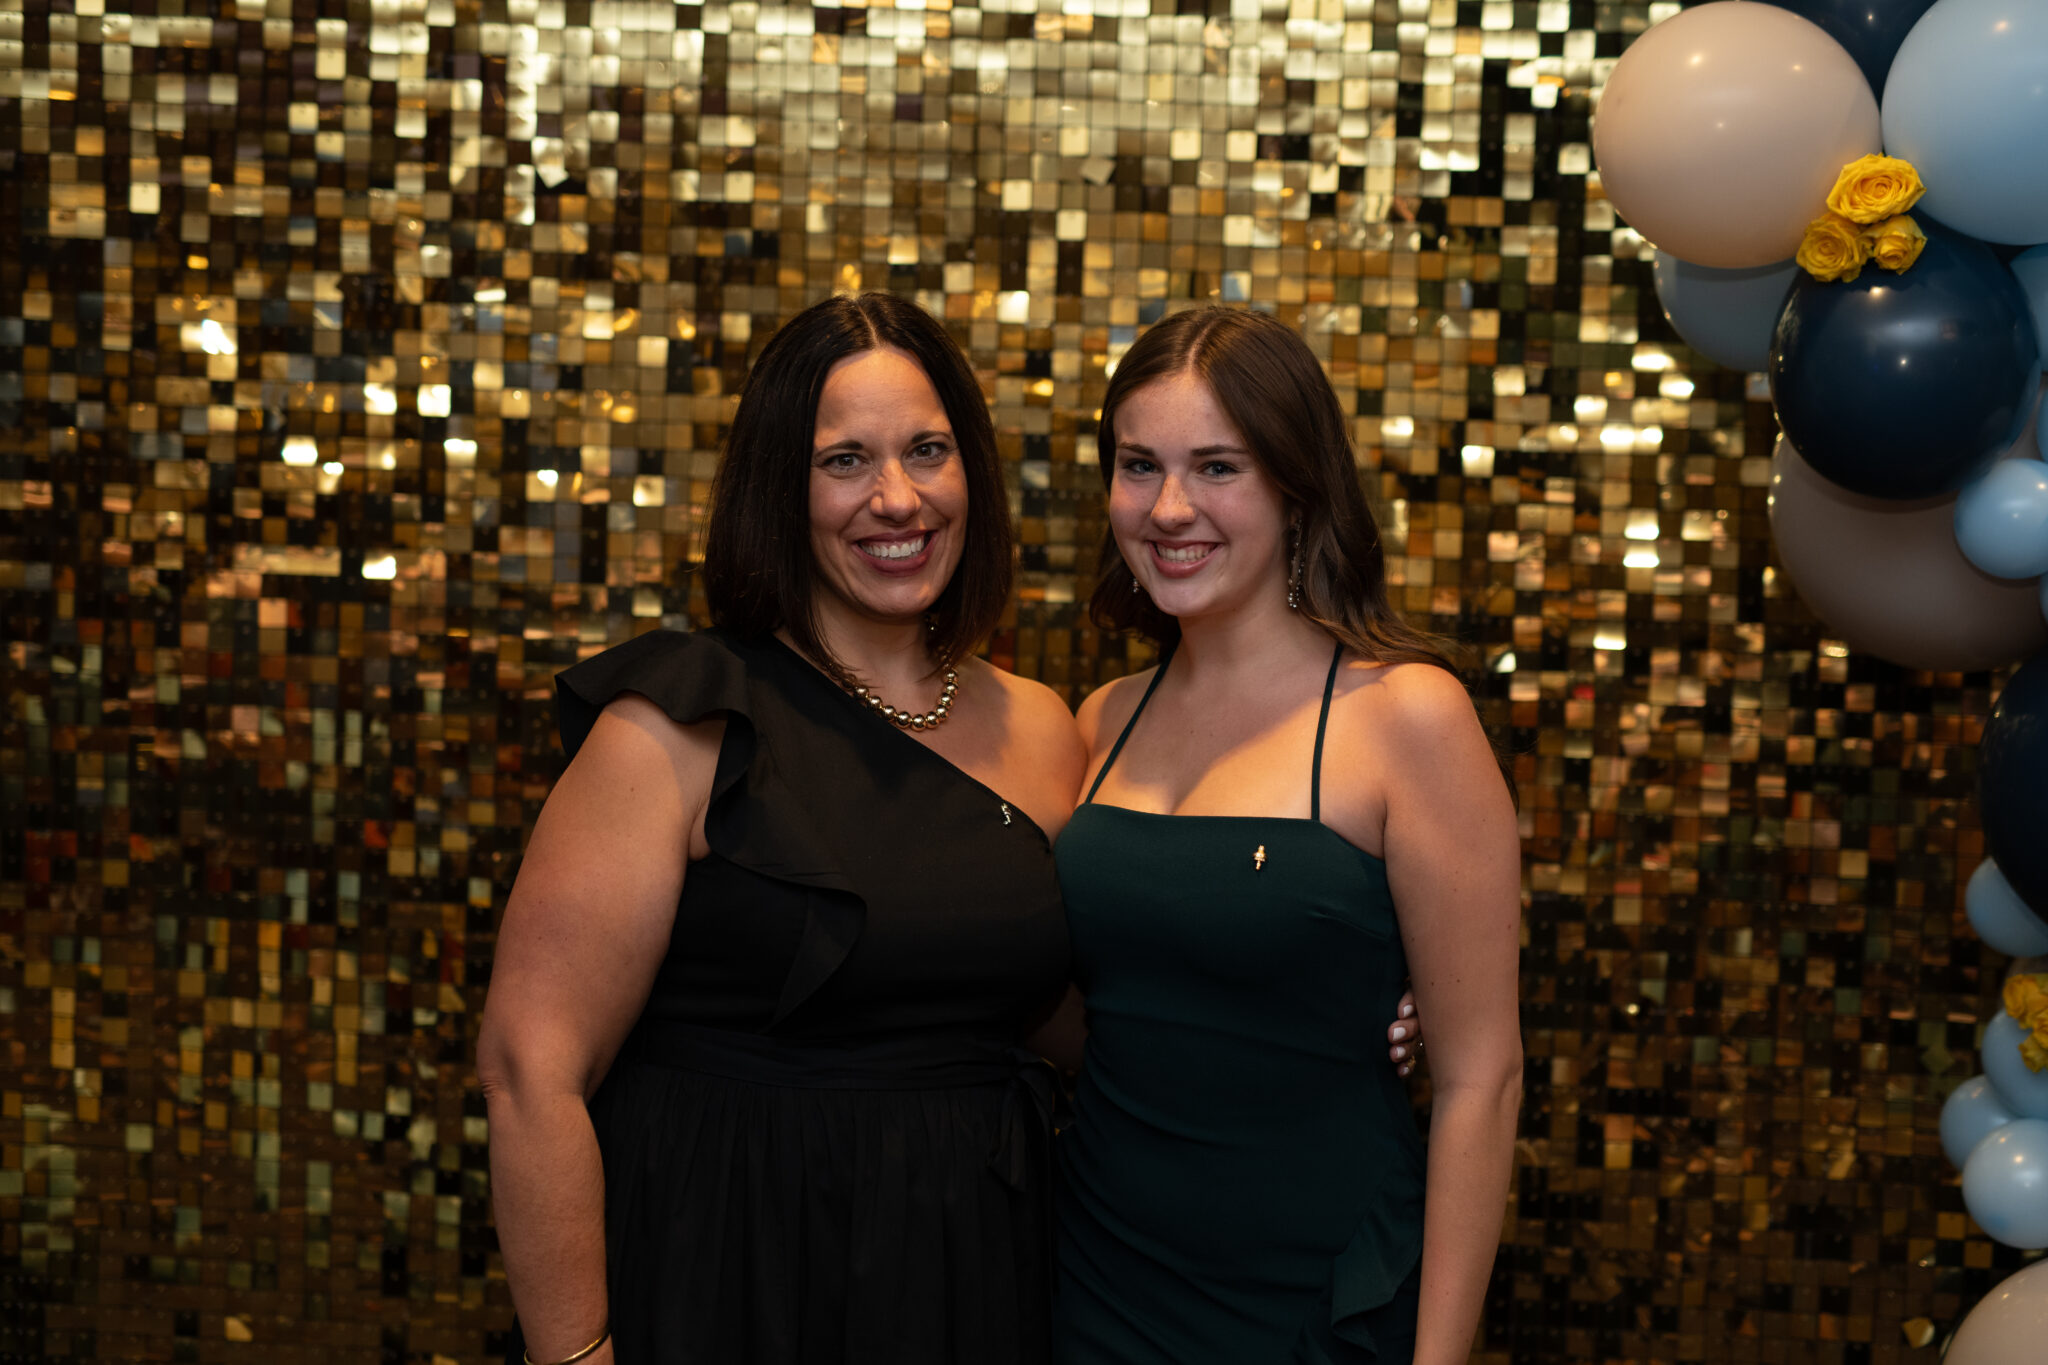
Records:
x=584, y=932
x=1454, y=863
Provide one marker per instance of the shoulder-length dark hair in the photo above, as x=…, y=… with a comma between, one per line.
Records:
x=758, y=574
x=1268, y=382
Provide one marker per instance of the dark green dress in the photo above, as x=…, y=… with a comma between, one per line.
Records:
x=1243, y=1179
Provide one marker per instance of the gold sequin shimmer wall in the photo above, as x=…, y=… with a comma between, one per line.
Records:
x=365, y=362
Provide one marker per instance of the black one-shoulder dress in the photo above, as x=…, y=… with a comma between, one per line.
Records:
x=821, y=1141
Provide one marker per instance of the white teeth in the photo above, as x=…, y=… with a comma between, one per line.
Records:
x=1187, y=556
x=896, y=549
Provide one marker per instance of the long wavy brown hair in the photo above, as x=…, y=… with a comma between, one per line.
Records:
x=1275, y=393
x=1269, y=384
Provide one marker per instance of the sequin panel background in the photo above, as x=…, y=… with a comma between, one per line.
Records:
x=362, y=364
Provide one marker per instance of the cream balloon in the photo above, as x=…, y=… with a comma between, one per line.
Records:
x=1887, y=577
x=2009, y=1325
x=1722, y=129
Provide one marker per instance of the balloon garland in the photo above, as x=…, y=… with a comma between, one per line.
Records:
x=1845, y=195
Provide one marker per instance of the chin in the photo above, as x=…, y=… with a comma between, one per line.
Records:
x=1180, y=603
x=1192, y=602
x=893, y=600
x=904, y=611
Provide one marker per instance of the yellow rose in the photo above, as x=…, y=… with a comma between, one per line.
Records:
x=1833, y=249
x=2024, y=997
x=1895, y=243
x=2033, y=1053
x=1874, y=187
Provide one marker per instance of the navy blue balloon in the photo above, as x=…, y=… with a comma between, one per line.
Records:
x=1907, y=385
x=2012, y=776
x=1870, y=29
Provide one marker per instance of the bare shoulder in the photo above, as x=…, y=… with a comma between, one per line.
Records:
x=639, y=768
x=1034, y=707
x=631, y=728
x=1039, y=755
x=1108, y=707
x=1035, y=720
x=1413, y=706
x=1428, y=749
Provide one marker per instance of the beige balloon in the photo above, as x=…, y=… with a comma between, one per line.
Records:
x=2008, y=1326
x=1886, y=576
x=1722, y=129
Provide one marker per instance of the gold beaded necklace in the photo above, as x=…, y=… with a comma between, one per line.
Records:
x=909, y=720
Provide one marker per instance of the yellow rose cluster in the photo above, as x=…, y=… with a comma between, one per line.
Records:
x=1866, y=221
x=1873, y=188
x=2026, y=999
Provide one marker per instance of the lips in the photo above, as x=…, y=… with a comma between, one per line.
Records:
x=1177, y=560
x=897, y=554
x=896, y=549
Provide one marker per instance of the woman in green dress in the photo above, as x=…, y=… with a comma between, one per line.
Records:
x=1296, y=811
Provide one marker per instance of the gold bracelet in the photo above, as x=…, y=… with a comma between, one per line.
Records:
x=602, y=1338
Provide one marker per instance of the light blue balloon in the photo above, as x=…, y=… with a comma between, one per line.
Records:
x=1971, y=1112
x=2031, y=269
x=2000, y=917
x=1726, y=315
x=2024, y=1091
x=2002, y=519
x=1967, y=103
x=2005, y=1184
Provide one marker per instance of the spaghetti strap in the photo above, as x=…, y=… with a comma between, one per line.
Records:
x=1315, y=779
x=1150, y=687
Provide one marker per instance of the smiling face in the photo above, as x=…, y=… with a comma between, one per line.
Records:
x=1196, y=517
x=888, y=492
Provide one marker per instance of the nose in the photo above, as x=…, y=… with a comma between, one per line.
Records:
x=1171, y=507
x=895, y=497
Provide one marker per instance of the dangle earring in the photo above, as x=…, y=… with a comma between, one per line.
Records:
x=1294, y=567
x=1135, y=589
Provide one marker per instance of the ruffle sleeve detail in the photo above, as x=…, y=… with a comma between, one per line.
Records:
x=758, y=817
x=689, y=676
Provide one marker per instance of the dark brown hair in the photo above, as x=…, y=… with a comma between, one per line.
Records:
x=757, y=548
x=1268, y=382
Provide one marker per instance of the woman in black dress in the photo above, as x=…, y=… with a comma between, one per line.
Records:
x=750, y=1051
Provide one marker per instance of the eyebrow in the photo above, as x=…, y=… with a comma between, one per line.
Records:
x=855, y=443
x=1198, y=451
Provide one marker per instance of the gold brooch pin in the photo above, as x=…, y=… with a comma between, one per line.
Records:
x=1259, y=859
